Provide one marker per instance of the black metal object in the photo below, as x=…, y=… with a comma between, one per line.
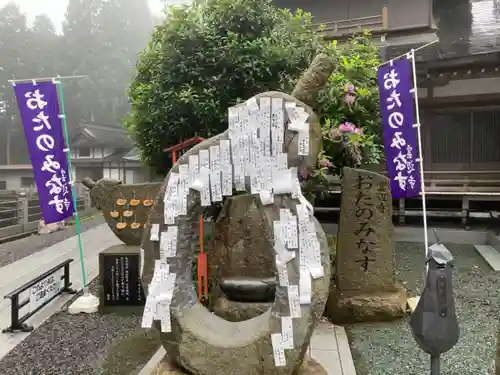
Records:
x=246, y=289
x=434, y=322
x=17, y=322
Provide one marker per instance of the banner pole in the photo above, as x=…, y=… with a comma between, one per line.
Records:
x=420, y=152
x=73, y=192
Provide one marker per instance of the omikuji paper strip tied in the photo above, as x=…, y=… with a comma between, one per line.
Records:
x=39, y=109
x=255, y=150
x=400, y=134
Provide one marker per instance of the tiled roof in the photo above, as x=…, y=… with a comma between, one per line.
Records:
x=465, y=28
x=97, y=135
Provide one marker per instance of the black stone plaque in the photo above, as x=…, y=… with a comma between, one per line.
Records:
x=121, y=284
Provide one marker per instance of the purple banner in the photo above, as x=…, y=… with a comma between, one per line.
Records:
x=39, y=108
x=400, y=135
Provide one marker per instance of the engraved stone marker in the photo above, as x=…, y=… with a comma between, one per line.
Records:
x=120, y=283
x=366, y=288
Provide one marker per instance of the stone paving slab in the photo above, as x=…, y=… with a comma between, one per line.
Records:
x=16, y=274
x=16, y=250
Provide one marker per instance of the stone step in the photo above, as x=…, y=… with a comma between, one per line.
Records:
x=490, y=255
x=494, y=241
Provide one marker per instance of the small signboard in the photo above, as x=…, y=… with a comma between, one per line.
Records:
x=45, y=290
x=120, y=278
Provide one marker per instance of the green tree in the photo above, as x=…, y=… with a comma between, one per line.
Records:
x=349, y=107
x=207, y=57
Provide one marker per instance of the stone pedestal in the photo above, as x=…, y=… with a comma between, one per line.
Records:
x=309, y=367
x=120, y=288
x=365, y=287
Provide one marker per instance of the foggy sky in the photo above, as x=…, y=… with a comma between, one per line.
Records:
x=56, y=9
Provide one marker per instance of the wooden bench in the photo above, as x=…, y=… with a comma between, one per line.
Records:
x=457, y=189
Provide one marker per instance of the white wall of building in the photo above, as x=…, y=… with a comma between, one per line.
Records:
x=13, y=178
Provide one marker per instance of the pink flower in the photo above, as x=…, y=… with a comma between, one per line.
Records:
x=350, y=99
x=347, y=128
x=334, y=133
x=325, y=163
x=359, y=131
x=304, y=173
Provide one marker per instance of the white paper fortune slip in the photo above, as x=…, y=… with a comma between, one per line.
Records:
x=226, y=167
x=305, y=286
x=148, y=313
x=168, y=243
x=183, y=189
x=205, y=190
x=282, y=272
x=155, y=233
x=292, y=240
x=294, y=301
x=265, y=125
x=278, y=350
x=303, y=142
x=277, y=126
x=282, y=181
x=163, y=243
x=216, y=186
x=141, y=267
x=194, y=168
x=314, y=259
x=283, y=253
x=166, y=291
x=204, y=177
x=287, y=332
x=170, y=199
x=165, y=321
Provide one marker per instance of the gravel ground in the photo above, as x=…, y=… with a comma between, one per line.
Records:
x=11, y=252
x=95, y=344
x=389, y=348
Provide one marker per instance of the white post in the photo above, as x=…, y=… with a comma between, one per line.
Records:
x=420, y=152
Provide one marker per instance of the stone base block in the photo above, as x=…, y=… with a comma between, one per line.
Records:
x=309, y=367
x=238, y=311
x=349, y=308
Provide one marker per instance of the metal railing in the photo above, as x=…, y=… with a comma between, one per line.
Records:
x=42, y=290
x=343, y=28
x=22, y=213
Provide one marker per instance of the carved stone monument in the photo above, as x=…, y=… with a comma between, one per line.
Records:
x=269, y=138
x=125, y=209
x=366, y=289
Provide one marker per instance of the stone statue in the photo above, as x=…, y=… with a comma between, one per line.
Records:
x=240, y=265
x=202, y=343
x=125, y=207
